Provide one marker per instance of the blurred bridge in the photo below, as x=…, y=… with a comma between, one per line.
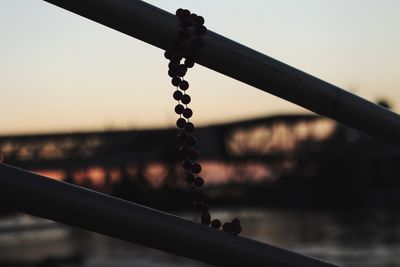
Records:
x=263, y=139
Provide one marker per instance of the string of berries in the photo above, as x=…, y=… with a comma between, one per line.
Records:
x=189, y=40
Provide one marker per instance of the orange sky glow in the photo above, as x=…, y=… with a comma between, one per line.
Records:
x=62, y=72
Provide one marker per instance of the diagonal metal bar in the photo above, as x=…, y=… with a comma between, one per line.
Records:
x=90, y=210
x=158, y=27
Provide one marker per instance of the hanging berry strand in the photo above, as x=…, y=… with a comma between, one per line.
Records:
x=188, y=43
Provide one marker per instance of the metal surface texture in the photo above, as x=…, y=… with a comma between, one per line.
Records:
x=90, y=210
x=158, y=27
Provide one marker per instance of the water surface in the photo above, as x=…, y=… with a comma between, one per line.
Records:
x=352, y=238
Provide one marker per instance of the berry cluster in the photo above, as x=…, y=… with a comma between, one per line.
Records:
x=189, y=41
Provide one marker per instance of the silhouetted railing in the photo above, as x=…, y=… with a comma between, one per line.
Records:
x=93, y=211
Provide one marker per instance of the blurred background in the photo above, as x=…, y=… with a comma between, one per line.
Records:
x=91, y=106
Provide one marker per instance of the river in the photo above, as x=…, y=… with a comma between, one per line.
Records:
x=352, y=238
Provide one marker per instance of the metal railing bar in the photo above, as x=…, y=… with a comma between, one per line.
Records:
x=158, y=27
x=93, y=211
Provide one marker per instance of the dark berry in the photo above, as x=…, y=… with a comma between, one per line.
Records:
x=199, y=182
x=236, y=229
x=185, y=13
x=201, y=30
x=189, y=127
x=179, y=110
x=177, y=95
x=204, y=206
x=187, y=113
x=179, y=12
x=200, y=204
x=191, y=140
x=199, y=20
x=193, y=154
x=205, y=218
x=197, y=203
x=189, y=63
x=172, y=73
x=187, y=21
x=176, y=58
x=235, y=221
x=216, y=224
x=181, y=71
x=190, y=178
x=176, y=81
x=196, y=168
x=181, y=122
x=182, y=67
x=205, y=222
x=227, y=227
x=187, y=164
x=184, y=149
x=185, y=99
x=173, y=65
x=235, y=226
x=202, y=195
x=193, y=190
x=206, y=215
x=184, y=85
x=182, y=136
x=193, y=16
x=167, y=54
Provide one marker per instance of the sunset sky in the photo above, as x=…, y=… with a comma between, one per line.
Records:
x=62, y=72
